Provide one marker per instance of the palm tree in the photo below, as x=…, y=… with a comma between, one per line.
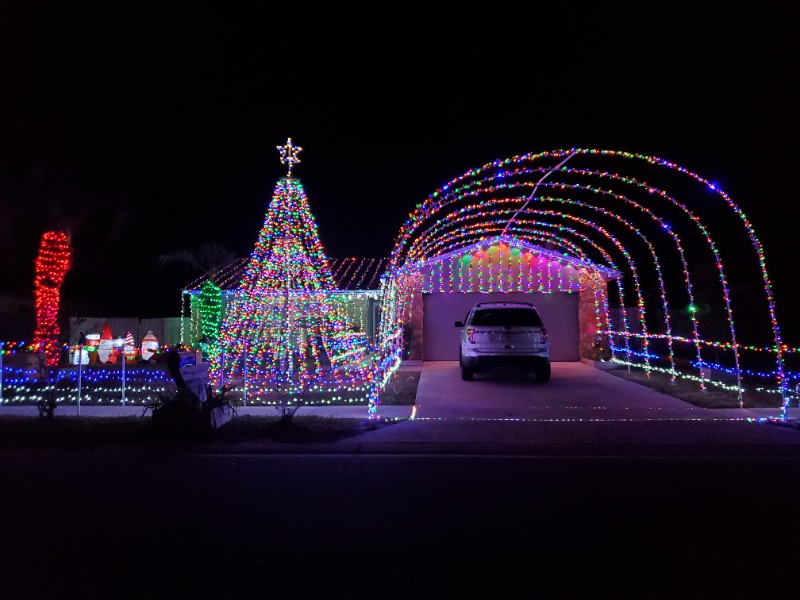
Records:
x=208, y=258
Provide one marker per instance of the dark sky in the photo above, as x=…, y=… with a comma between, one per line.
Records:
x=151, y=129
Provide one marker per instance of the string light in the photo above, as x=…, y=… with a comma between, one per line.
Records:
x=286, y=332
x=473, y=206
x=51, y=267
x=584, y=231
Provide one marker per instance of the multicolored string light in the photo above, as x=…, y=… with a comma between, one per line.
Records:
x=493, y=229
x=481, y=203
x=286, y=334
x=51, y=266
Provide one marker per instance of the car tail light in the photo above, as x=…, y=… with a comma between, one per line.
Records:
x=471, y=335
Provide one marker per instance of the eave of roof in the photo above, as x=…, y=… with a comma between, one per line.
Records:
x=513, y=242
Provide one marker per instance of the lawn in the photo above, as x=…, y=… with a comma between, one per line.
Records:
x=401, y=389
x=78, y=432
x=86, y=433
x=689, y=391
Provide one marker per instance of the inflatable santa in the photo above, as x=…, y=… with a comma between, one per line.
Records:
x=105, y=351
x=149, y=346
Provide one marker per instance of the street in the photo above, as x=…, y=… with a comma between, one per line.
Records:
x=378, y=526
x=587, y=487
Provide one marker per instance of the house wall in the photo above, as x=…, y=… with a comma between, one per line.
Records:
x=499, y=269
x=358, y=306
x=592, y=315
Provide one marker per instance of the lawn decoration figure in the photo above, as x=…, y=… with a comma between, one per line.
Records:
x=105, y=351
x=149, y=346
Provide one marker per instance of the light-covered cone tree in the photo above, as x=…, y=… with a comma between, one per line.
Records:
x=285, y=331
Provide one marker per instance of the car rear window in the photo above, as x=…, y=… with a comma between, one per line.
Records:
x=506, y=317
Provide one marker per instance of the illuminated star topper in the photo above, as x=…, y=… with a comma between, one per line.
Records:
x=289, y=155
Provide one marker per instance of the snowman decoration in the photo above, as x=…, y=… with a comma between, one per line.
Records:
x=105, y=351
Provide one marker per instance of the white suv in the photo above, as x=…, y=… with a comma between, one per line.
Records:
x=503, y=334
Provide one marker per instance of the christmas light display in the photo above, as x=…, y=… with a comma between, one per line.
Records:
x=98, y=385
x=599, y=213
x=51, y=267
x=209, y=307
x=349, y=274
x=446, y=230
x=646, y=245
x=356, y=281
x=94, y=384
x=286, y=334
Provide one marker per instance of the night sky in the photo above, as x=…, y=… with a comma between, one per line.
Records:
x=146, y=130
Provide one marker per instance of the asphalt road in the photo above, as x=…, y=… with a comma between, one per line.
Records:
x=397, y=526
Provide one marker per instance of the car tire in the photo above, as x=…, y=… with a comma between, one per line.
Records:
x=467, y=373
x=543, y=373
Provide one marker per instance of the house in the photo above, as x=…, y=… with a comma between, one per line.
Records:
x=570, y=294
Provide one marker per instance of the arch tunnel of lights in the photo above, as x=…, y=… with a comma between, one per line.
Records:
x=688, y=261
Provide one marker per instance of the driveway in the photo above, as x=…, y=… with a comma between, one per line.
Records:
x=575, y=392
x=580, y=410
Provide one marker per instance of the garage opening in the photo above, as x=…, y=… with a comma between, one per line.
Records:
x=559, y=311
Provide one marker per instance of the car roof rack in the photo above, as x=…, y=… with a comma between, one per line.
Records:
x=502, y=302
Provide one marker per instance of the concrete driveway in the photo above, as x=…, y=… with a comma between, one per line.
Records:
x=576, y=392
x=581, y=410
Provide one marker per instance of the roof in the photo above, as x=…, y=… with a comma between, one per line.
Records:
x=348, y=274
x=504, y=304
x=513, y=242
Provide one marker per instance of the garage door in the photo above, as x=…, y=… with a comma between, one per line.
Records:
x=559, y=311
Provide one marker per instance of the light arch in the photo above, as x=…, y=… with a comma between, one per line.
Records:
x=423, y=233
